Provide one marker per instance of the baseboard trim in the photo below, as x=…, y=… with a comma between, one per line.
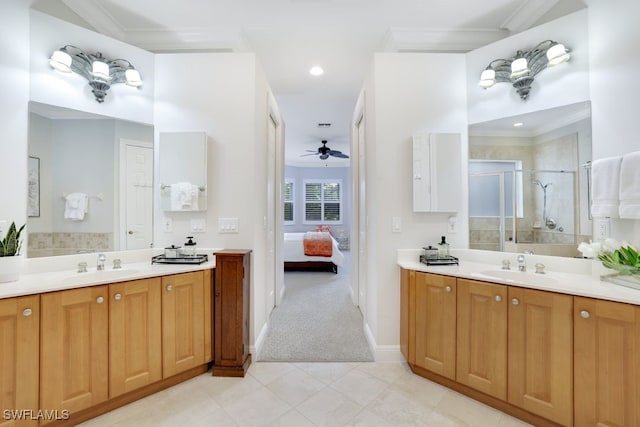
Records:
x=257, y=347
x=389, y=353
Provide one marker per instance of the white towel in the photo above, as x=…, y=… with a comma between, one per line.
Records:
x=75, y=206
x=184, y=196
x=630, y=186
x=605, y=178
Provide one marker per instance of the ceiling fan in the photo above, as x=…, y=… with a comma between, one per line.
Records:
x=324, y=152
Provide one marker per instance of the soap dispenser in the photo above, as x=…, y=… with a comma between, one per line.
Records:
x=189, y=247
x=443, y=248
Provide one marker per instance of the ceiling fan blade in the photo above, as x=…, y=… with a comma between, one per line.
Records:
x=312, y=151
x=310, y=154
x=339, y=154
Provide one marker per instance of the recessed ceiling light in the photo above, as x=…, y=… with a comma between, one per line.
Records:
x=517, y=125
x=316, y=71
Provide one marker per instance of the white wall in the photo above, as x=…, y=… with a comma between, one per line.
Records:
x=413, y=93
x=219, y=94
x=614, y=52
x=14, y=87
x=562, y=85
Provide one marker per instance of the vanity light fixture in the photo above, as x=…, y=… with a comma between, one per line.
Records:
x=98, y=70
x=524, y=66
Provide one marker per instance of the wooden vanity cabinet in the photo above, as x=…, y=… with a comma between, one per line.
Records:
x=482, y=337
x=607, y=363
x=183, y=316
x=135, y=335
x=540, y=347
x=435, y=323
x=231, y=312
x=20, y=332
x=74, y=349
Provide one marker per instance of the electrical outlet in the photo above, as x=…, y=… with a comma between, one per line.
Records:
x=167, y=225
x=601, y=229
x=452, y=224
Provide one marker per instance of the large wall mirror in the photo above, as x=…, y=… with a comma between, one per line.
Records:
x=90, y=183
x=529, y=182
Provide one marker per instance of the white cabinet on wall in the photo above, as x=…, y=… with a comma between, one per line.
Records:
x=437, y=180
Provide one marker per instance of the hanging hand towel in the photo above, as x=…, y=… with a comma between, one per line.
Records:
x=630, y=186
x=75, y=206
x=606, y=187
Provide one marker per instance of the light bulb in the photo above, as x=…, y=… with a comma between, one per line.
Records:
x=133, y=77
x=519, y=68
x=60, y=61
x=487, y=78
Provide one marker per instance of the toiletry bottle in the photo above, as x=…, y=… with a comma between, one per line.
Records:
x=443, y=248
x=189, y=247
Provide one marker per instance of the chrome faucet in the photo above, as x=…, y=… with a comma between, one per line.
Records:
x=101, y=259
x=522, y=263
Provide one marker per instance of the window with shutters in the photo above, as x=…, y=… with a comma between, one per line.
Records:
x=322, y=201
x=288, y=196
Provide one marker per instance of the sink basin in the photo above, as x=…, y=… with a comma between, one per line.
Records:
x=519, y=277
x=94, y=277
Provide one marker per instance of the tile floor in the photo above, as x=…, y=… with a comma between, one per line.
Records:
x=368, y=394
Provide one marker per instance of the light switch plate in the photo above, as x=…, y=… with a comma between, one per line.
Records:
x=601, y=229
x=227, y=225
x=396, y=224
x=167, y=225
x=198, y=225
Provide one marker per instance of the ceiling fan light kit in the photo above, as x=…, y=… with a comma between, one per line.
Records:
x=324, y=152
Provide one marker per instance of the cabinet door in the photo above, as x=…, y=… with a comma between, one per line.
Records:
x=231, y=297
x=540, y=353
x=19, y=334
x=182, y=322
x=74, y=349
x=135, y=343
x=607, y=363
x=435, y=323
x=407, y=304
x=482, y=337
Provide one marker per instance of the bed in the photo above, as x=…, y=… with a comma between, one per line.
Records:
x=296, y=260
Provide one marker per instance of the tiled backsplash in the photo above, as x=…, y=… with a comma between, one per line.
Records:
x=49, y=244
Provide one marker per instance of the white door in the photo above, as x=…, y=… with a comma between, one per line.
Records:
x=138, y=196
x=271, y=214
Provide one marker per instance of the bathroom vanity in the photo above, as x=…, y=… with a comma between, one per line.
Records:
x=82, y=344
x=554, y=349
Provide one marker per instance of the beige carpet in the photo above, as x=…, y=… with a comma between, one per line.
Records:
x=316, y=322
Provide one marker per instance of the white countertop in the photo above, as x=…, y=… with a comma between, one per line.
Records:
x=62, y=272
x=571, y=276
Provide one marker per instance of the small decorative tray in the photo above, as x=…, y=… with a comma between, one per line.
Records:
x=192, y=259
x=445, y=260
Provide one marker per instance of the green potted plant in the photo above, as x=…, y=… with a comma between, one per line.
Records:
x=10, y=259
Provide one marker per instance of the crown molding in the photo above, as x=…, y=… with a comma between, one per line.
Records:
x=98, y=17
x=527, y=15
x=439, y=40
x=189, y=40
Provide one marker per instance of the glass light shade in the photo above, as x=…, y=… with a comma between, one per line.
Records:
x=133, y=78
x=100, y=69
x=519, y=68
x=487, y=78
x=557, y=54
x=60, y=61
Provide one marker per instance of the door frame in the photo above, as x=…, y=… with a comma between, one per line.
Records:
x=358, y=166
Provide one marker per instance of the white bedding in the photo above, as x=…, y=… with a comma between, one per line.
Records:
x=293, y=250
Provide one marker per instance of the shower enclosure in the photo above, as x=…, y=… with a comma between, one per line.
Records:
x=517, y=210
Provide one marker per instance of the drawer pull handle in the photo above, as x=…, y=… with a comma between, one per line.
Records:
x=117, y=297
x=99, y=300
x=498, y=298
x=447, y=288
x=585, y=314
x=515, y=301
x=27, y=312
x=169, y=288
